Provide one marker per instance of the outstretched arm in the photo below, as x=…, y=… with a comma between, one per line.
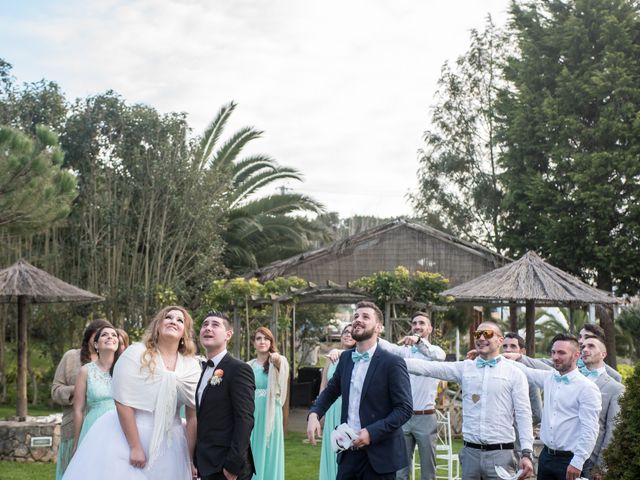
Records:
x=450, y=371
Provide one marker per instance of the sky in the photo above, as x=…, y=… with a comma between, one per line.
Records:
x=342, y=89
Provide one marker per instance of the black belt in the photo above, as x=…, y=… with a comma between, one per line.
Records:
x=558, y=453
x=494, y=446
x=424, y=412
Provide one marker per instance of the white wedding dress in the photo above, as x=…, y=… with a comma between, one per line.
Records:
x=104, y=452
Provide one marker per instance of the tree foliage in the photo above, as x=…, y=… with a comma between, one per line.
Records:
x=459, y=190
x=35, y=191
x=571, y=174
x=402, y=285
x=260, y=229
x=621, y=456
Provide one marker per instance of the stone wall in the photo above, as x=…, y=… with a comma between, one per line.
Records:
x=15, y=439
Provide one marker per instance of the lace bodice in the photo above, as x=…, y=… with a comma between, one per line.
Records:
x=98, y=386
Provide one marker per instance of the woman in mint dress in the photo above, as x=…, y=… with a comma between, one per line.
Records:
x=271, y=372
x=328, y=464
x=92, y=396
x=63, y=387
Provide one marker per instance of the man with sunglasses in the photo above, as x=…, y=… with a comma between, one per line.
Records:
x=495, y=393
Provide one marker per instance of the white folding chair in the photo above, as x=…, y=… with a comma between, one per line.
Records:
x=447, y=462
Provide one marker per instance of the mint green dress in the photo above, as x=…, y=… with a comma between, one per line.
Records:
x=268, y=454
x=328, y=464
x=99, y=397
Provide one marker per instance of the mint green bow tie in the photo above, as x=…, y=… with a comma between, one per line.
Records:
x=356, y=357
x=480, y=363
x=589, y=373
x=414, y=349
x=561, y=378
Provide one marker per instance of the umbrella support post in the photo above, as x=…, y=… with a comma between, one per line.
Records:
x=21, y=406
x=530, y=322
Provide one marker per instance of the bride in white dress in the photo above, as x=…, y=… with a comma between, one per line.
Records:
x=145, y=437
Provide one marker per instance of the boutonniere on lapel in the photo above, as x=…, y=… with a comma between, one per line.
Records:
x=216, y=378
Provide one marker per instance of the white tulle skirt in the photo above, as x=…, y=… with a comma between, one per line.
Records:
x=104, y=452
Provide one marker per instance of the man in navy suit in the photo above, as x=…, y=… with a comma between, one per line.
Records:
x=376, y=402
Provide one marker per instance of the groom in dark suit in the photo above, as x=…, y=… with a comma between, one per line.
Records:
x=376, y=402
x=224, y=406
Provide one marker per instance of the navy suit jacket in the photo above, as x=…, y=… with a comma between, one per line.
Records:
x=385, y=405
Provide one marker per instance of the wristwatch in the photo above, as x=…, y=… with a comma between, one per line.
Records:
x=526, y=453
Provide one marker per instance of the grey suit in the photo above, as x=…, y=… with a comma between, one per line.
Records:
x=610, y=391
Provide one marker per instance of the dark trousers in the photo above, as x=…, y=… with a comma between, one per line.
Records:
x=354, y=465
x=552, y=467
x=245, y=474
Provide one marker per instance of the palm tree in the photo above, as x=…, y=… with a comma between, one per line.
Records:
x=260, y=229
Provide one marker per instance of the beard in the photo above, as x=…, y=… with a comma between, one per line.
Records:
x=362, y=336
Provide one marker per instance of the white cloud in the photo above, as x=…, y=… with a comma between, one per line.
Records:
x=341, y=88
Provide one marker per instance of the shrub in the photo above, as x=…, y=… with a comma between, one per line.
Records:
x=621, y=457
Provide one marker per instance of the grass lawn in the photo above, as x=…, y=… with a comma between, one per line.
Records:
x=302, y=462
x=36, y=411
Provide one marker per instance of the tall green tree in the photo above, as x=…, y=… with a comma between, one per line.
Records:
x=459, y=189
x=149, y=214
x=260, y=228
x=571, y=173
x=35, y=191
x=31, y=104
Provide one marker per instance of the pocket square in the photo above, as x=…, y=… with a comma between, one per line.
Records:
x=342, y=438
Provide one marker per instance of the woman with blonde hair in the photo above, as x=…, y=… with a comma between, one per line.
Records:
x=271, y=372
x=146, y=438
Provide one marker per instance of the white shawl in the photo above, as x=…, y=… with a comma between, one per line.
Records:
x=160, y=393
x=277, y=386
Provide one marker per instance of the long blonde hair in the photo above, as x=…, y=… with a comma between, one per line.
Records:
x=186, y=347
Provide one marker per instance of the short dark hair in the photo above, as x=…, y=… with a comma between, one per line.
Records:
x=597, y=339
x=517, y=337
x=563, y=337
x=218, y=314
x=595, y=330
x=372, y=306
x=420, y=314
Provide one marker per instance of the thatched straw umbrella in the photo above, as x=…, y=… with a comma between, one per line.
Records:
x=531, y=281
x=23, y=283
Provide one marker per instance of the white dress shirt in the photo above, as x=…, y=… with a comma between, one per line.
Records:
x=570, y=414
x=423, y=389
x=208, y=372
x=491, y=398
x=358, y=375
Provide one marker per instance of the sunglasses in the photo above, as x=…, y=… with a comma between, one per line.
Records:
x=487, y=334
